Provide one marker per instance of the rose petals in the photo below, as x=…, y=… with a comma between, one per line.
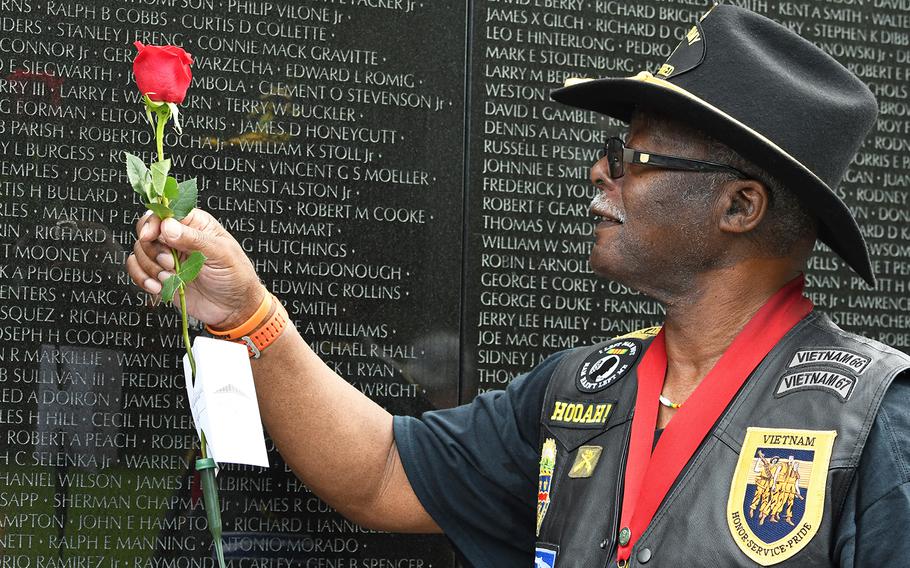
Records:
x=162, y=72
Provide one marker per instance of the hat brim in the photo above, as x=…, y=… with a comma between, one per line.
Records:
x=620, y=97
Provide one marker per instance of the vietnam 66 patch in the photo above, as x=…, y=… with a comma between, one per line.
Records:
x=607, y=365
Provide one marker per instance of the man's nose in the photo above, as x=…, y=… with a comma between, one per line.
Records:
x=600, y=176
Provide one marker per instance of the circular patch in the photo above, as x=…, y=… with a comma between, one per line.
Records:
x=607, y=365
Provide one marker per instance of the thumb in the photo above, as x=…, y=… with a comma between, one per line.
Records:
x=187, y=239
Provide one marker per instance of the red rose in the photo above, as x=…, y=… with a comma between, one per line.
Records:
x=162, y=72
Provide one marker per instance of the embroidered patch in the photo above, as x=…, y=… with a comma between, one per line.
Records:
x=607, y=365
x=585, y=461
x=545, y=481
x=644, y=333
x=837, y=384
x=777, y=495
x=545, y=555
x=585, y=415
x=841, y=357
x=688, y=55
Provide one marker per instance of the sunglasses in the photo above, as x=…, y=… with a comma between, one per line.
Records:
x=618, y=155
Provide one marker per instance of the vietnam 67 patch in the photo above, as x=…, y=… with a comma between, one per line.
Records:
x=607, y=365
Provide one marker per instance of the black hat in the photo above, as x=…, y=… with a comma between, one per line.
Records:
x=767, y=93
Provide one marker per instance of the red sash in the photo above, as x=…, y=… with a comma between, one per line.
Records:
x=658, y=470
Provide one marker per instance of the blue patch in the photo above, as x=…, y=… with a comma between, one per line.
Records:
x=545, y=557
x=776, y=510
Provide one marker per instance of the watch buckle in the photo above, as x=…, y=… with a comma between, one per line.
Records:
x=256, y=353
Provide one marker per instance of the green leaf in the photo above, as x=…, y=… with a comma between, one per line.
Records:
x=137, y=173
x=159, y=176
x=146, y=187
x=190, y=267
x=171, y=191
x=169, y=286
x=188, y=272
x=162, y=211
x=188, y=193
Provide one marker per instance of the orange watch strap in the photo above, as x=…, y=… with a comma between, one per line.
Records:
x=261, y=330
x=270, y=330
x=249, y=325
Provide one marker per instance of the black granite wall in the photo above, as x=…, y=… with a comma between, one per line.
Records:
x=400, y=179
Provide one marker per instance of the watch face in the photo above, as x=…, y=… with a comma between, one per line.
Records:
x=607, y=365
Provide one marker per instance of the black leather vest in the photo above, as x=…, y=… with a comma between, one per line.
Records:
x=817, y=378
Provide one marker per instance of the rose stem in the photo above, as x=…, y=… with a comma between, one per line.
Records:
x=163, y=116
x=207, y=478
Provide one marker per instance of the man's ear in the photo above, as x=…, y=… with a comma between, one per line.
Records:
x=741, y=206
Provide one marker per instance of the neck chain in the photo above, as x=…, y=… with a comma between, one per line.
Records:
x=668, y=403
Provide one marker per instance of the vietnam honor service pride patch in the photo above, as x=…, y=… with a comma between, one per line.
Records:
x=777, y=494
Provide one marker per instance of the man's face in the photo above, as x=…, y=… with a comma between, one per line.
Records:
x=655, y=224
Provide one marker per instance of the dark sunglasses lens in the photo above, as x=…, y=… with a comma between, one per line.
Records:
x=614, y=157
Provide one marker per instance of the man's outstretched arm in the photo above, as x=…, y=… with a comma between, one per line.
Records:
x=335, y=439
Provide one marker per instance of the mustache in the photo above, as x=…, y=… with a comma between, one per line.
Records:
x=600, y=203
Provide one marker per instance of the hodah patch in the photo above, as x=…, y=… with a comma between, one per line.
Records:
x=580, y=414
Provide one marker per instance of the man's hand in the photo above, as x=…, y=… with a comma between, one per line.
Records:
x=338, y=441
x=227, y=290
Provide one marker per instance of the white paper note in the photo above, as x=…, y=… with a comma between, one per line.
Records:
x=223, y=402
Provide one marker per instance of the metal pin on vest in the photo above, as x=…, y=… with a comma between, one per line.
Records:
x=625, y=535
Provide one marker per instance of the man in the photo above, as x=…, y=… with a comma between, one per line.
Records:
x=766, y=471
x=787, y=491
x=717, y=225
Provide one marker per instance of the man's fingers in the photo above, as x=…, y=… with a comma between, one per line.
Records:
x=144, y=260
x=165, y=260
x=186, y=239
x=141, y=221
x=152, y=262
x=148, y=227
x=141, y=278
x=152, y=249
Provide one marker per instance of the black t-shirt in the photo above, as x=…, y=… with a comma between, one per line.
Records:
x=474, y=469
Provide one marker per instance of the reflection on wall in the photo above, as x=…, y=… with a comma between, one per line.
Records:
x=422, y=215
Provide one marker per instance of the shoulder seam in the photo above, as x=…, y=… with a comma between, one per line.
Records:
x=886, y=494
x=870, y=343
x=895, y=446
